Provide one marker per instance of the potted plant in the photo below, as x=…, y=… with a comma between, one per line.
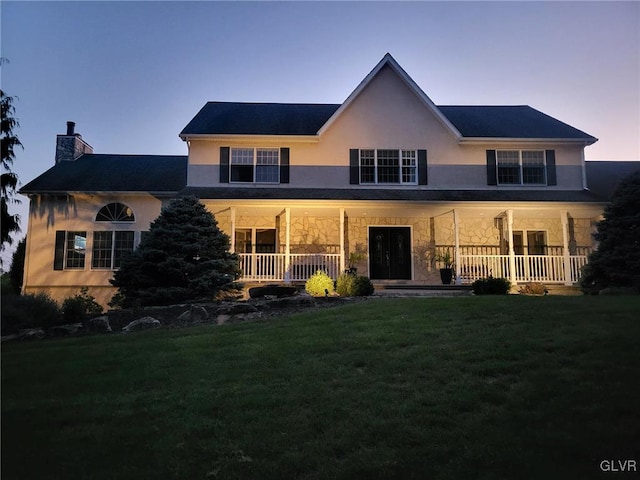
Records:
x=355, y=258
x=446, y=271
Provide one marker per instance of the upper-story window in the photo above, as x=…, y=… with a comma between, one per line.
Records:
x=521, y=167
x=388, y=166
x=255, y=165
x=115, y=212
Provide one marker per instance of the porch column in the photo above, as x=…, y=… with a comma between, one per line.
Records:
x=564, y=218
x=287, y=244
x=456, y=253
x=342, y=259
x=512, y=255
x=233, y=229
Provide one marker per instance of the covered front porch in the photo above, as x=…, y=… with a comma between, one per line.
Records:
x=401, y=243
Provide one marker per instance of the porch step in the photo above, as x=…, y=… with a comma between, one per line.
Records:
x=408, y=290
x=564, y=290
x=403, y=286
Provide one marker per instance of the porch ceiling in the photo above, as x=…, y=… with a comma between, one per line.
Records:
x=402, y=209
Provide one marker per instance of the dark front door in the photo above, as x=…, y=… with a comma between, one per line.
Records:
x=390, y=253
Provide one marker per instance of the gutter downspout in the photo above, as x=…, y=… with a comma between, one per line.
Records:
x=585, y=186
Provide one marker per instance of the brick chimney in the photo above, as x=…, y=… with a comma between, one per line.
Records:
x=71, y=146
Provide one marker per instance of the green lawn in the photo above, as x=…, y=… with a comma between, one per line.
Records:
x=442, y=388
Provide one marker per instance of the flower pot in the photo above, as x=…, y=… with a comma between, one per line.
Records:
x=446, y=275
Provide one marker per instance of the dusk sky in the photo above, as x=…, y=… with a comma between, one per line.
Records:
x=132, y=74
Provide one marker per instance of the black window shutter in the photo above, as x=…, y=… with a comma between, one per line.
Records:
x=422, y=167
x=492, y=170
x=551, y=167
x=284, y=165
x=58, y=256
x=354, y=166
x=224, y=164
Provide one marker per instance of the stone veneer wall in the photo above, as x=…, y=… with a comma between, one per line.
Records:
x=312, y=234
x=484, y=231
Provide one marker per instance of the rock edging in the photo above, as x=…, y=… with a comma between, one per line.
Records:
x=226, y=312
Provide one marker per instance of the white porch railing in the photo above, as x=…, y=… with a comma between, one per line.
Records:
x=577, y=262
x=271, y=267
x=528, y=268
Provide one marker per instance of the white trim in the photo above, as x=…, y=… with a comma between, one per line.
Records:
x=253, y=137
x=494, y=140
x=564, y=219
x=389, y=60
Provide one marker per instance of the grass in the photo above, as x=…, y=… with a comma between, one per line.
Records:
x=442, y=388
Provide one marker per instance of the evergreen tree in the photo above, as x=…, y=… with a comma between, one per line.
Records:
x=9, y=180
x=16, y=273
x=616, y=262
x=184, y=257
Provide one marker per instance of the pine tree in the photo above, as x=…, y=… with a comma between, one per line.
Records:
x=16, y=273
x=183, y=258
x=9, y=180
x=616, y=262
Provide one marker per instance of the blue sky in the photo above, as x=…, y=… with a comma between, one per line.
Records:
x=132, y=74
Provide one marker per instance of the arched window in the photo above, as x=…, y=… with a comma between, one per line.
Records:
x=115, y=212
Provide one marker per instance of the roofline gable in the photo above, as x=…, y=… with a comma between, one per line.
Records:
x=395, y=66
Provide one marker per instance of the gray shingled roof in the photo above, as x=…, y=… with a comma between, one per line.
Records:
x=519, y=121
x=230, y=193
x=603, y=176
x=233, y=118
x=113, y=173
x=259, y=118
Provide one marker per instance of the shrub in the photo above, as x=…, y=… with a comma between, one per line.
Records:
x=28, y=311
x=183, y=258
x=80, y=307
x=349, y=285
x=533, y=288
x=319, y=284
x=491, y=286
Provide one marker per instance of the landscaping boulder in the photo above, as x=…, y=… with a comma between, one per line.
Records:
x=290, y=302
x=271, y=291
x=195, y=314
x=143, y=323
x=66, y=330
x=98, y=325
x=236, y=308
x=30, y=334
x=618, y=291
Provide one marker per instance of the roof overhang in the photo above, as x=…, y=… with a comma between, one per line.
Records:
x=110, y=193
x=546, y=141
x=252, y=138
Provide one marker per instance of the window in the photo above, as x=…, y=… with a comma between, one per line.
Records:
x=75, y=249
x=109, y=248
x=521, y=167
x=388, y=166
x=536, y=242
x=259, y=165
x=115, y=212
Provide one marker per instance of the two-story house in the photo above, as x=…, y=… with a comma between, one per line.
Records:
x=299, y=187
